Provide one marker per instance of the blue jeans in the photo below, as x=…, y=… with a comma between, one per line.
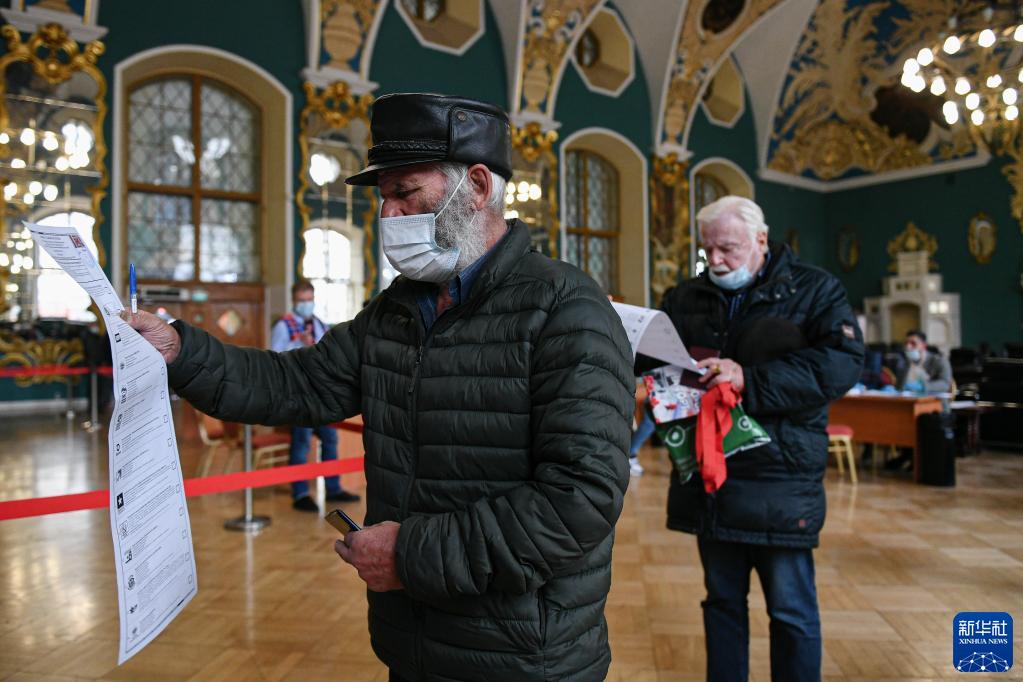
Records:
x=642, y=432
x=300, y=439
x=787, y=578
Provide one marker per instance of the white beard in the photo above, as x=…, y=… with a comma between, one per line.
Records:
x=459, y=226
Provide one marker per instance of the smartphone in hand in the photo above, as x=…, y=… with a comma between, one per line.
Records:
x=342, y=521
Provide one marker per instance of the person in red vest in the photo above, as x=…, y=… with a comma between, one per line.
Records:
x=299, y=328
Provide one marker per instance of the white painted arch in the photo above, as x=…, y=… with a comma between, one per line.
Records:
x=735, y=179
x=634, y=190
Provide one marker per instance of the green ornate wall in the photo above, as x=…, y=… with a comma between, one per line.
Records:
x=942, y=205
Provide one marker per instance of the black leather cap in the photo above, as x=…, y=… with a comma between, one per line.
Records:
x=410, y=128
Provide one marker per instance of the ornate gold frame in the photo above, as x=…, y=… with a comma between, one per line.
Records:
x=669, y=233
x=912, y=239
x=534, y=144
x=973, y=241
x=338, y=107
x=62, y=60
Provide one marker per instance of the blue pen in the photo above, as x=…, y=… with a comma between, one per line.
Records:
x=133, y=289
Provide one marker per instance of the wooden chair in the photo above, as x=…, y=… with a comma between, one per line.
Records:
x=268, y=448
x=840, y=444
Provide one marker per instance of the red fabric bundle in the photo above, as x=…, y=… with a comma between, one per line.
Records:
x=713, y=422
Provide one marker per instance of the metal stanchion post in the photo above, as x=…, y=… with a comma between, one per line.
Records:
x=248, y=522
x=70, y=414
x=93, y=423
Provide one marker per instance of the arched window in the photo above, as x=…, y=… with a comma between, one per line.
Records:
x=57, y=295
x=592, y=217
x=333, y=263
x=194, y=198
x=711, y=180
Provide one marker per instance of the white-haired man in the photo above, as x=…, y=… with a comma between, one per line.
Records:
x=496, y=390
x=788, y=341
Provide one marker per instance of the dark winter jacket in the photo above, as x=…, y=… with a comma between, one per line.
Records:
x=800, y=348
x=498, y=440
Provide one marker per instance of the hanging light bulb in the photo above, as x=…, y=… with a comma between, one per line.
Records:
x=509, y=199
x=1018, y=34
x=50, y=192
x=977, y=117
x=994, y=81
x=1011, y=113
x=35, y=187
x=61, y=163
x=28, y=137
x=29, y=198
x=962, y=86
x=918, y=83
x=907, y=79
x=925, y=56
x=986, y=38
x=17, y=163
x=4, y=260
x=972, y=100
x=938, y=86
x=4, y=138
x=27, y=262
x=534, y=191
x=951, y=112
x=951, y=45
x=11, y=188
x=1009, y=95
x=911, y=66
x=50, y=142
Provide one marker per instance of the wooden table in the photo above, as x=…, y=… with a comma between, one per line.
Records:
x=884, y=419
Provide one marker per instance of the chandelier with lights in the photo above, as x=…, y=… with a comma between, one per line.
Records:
x=976, y=67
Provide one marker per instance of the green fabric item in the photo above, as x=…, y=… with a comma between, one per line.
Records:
x=680, y=439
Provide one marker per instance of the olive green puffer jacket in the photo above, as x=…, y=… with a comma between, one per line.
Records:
x=498, y=440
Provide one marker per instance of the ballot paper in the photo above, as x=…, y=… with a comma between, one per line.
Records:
x=148, y=516
x=652, y=333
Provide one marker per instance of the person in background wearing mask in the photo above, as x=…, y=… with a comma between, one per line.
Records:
x=925, y=372
x=496, y=389
x=298, y=329
x=789, y=343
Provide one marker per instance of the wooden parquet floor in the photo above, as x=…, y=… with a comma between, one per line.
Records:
x=896, y=562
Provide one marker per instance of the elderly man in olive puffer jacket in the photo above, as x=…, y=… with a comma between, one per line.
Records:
x=497, y=398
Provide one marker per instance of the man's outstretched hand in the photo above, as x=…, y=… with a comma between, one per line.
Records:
x=161, y=335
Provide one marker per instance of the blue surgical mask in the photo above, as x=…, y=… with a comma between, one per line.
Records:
x=304, y=309
x=410, y=245
x=734, y=280
x=913, y=355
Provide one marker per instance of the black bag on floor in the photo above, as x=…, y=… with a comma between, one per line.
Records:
x=935, y=436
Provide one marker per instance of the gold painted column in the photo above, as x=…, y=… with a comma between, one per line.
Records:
x=669, y=223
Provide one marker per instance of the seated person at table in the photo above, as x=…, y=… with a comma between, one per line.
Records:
x=297, y=329
x=925, y=371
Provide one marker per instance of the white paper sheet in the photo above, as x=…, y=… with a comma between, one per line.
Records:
x=149, y=523
x=652, y=333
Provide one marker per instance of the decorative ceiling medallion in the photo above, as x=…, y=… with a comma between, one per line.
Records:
x=912, y=239
x=230, y=322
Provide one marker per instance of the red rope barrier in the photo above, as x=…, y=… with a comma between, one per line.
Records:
x=209, y=485
x=50, y=371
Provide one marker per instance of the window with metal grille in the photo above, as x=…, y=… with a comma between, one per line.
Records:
x=193, y=199
x=592, y=218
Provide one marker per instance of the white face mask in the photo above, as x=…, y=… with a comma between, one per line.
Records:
x=410, y=245
x=734, y=280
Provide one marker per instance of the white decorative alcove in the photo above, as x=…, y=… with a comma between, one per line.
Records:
x=913, y=299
